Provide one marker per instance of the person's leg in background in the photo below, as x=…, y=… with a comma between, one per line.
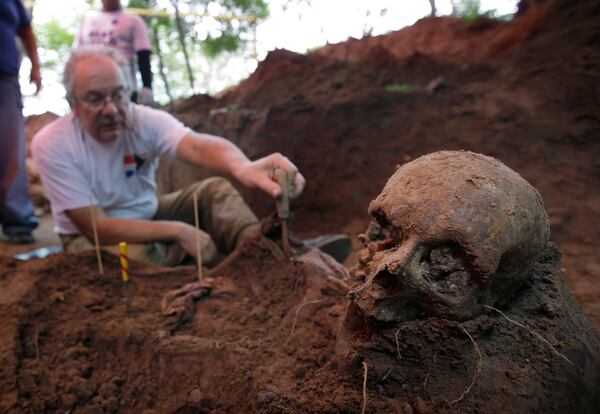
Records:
x=226, y=217
x=16, y=207
x=222, y=211
x=8, y=151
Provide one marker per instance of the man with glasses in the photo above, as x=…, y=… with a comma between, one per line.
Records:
x=98, y=164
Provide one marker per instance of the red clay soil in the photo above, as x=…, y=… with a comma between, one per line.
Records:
x=526, y=92
x=265, y=341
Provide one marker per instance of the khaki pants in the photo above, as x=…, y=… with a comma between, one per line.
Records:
x=222, y=213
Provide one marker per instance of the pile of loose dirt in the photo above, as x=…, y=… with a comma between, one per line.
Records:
x=525, y=92
x=267, y=342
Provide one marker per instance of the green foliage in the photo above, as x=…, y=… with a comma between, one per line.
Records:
x=256, y=8
x=399, y=87
x=210, y=42
x=471, y=10
x=239, y=22
x=140, y=4
x=55, y=38
x=227, y=42
x=54, y=35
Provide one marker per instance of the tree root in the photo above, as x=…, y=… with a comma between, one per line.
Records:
x=298, y=309
x=477, y=368
x=398, y=344
x=429, y=371
x=340, y=283
x=387, y=374
x=363, y=408
x=537, y=335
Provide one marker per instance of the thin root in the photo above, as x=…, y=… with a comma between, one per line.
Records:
x=429, y=371
x=398, y=344
x=477, y=368
x=537, y=335
x=338, y=282
x=363, y=409
x=298, y=309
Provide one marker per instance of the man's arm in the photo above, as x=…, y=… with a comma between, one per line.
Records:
x=222, y=156
x=143, y=60
x=143, y=47
x=114, y=230
x=145, y=96
x=28, y=38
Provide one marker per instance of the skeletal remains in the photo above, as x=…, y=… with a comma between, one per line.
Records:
x=456, y=236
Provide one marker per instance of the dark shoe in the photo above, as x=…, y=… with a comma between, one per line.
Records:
x=23, y=237
x=338, y=246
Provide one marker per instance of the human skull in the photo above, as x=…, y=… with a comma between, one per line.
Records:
x=452, y=231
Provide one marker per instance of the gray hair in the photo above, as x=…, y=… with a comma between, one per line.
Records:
x=84, y=52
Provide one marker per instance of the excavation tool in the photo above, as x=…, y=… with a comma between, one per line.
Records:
x=283, y=207
x=125, y=275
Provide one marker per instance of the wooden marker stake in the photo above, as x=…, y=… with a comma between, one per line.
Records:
x=198, y=247
x=96, y=242
x=125, y=274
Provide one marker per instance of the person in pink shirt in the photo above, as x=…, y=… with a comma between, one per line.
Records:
x=125, y=32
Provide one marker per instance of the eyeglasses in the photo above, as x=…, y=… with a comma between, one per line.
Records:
x=96, y=101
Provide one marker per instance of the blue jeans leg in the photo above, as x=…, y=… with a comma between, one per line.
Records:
x=16, y=208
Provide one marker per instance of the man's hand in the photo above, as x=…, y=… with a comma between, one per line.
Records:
x=222, y=156
x=29, y=41
x=36, y=77
x=112, y=230
x=187, y=240
x=259, y=174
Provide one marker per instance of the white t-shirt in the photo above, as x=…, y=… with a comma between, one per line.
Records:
x=76, y=170
x=125, y=32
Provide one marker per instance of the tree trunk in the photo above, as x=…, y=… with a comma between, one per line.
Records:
x=183, y=43
x=161, y=63
x=433, y=8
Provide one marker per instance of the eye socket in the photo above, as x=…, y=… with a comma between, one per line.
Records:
x=394, y=233
x=385, y=229
x=445, y=267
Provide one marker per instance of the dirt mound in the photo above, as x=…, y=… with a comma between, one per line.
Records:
x=75, y=348
x=348, y=119
x=447, y=38
x=266, y=344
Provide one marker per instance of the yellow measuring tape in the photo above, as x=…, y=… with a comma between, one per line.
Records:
x=153, y=12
